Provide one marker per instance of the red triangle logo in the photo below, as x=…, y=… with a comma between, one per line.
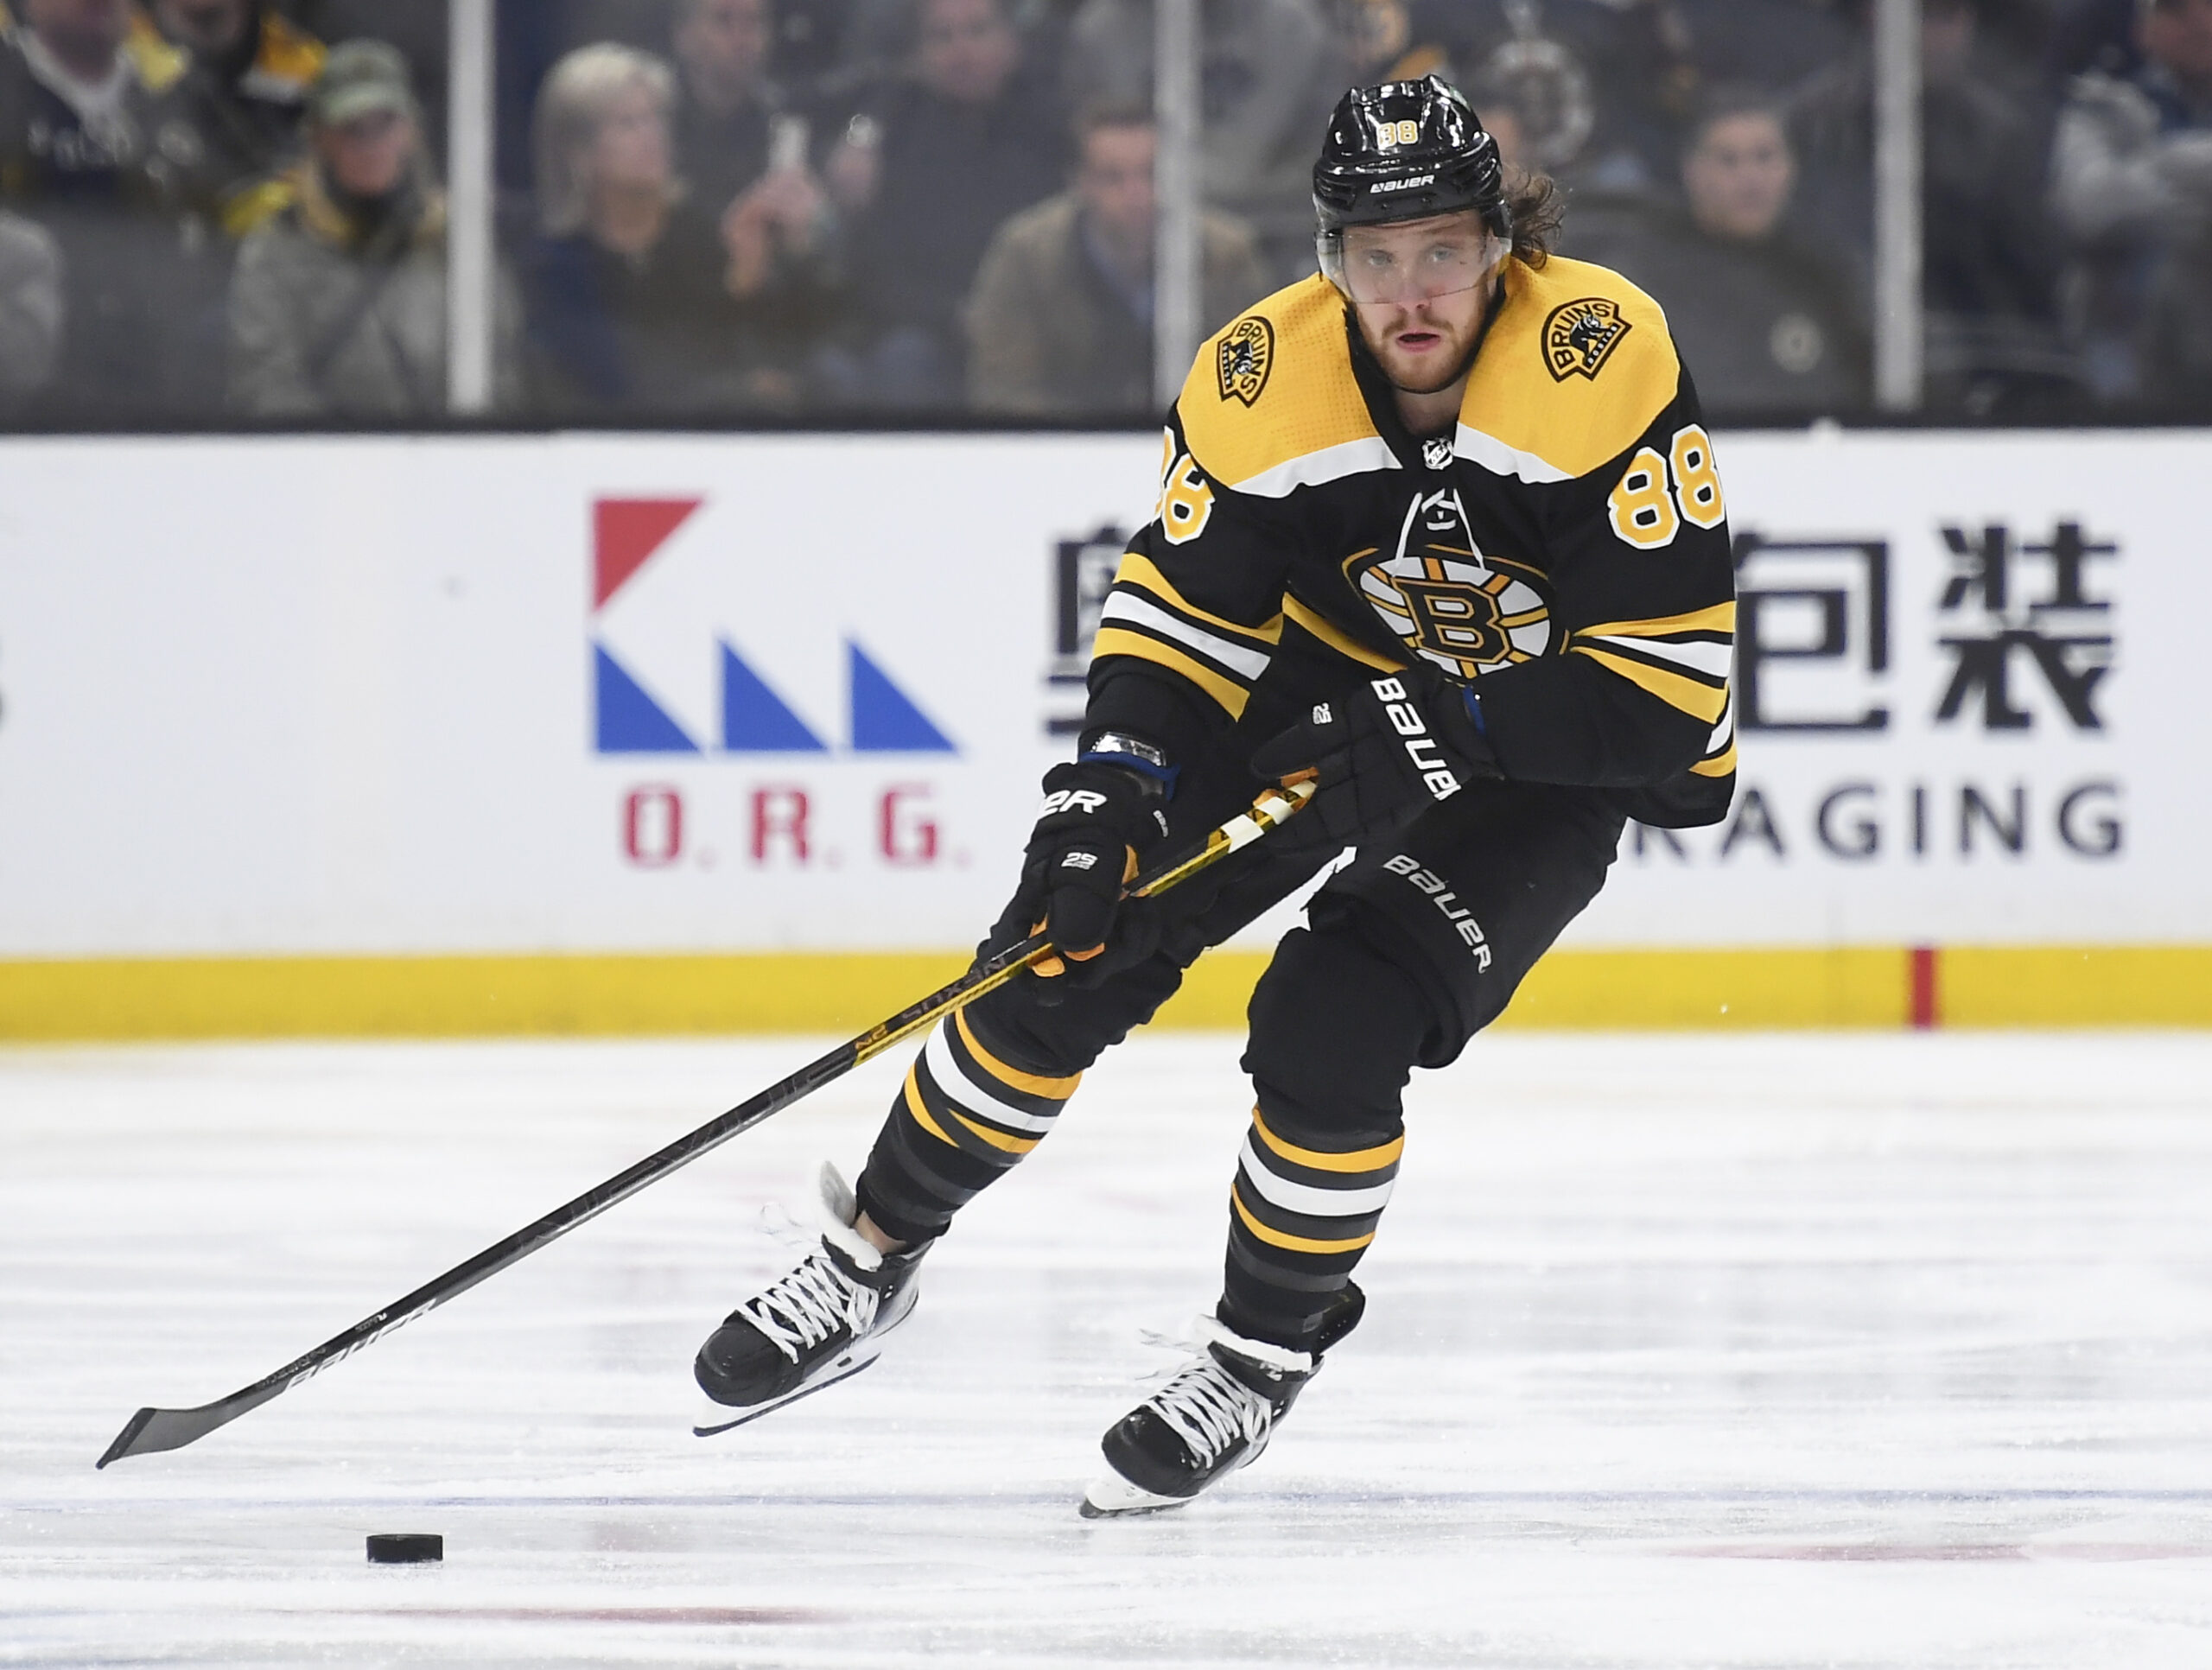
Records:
x=627, y=531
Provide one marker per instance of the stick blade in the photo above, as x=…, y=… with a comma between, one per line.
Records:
x=151, y=1431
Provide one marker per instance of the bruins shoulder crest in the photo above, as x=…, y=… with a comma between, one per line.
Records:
x=1248, y=355
x=1580, y=336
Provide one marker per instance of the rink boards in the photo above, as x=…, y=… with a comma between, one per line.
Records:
x=604, y=733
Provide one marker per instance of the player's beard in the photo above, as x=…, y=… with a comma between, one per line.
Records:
x=1429, y=376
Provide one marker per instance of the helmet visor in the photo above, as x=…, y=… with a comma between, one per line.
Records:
x=1407, y=261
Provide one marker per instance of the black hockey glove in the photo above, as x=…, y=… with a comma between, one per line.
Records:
x=1385, y=750
x=1097, y=823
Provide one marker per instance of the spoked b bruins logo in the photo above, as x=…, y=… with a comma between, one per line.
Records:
x=1453, y=607
x=1248, y=355
x=1579, y=336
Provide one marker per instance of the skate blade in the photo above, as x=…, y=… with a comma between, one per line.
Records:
x=719, y=1418
x=1115, y=1497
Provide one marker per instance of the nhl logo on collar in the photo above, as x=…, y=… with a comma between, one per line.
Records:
x=1580, y=336
x=1248, y=355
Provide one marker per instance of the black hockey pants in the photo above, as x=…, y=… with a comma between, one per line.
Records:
x=1413, y=948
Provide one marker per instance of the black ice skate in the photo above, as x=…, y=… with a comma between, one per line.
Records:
x=1214, y=1415
x=822, y=1322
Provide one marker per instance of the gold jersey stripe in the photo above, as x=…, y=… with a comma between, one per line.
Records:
x=1335, y=637
x=1721, y=765
x=1719, y=618
x=1142, y=571
x=1060, y=1089
x=1360, y=1160
x=922, y=1115
x=1703, y=702
x=1116, y=640
x=1293, y=1243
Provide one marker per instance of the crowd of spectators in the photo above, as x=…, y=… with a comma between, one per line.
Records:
x=729, y=209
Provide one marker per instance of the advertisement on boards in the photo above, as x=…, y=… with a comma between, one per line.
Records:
x=794, y=692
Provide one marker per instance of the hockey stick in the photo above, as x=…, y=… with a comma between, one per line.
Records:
x=153, y=1430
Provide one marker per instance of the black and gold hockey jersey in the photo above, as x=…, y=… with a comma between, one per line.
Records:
x=1566, y=549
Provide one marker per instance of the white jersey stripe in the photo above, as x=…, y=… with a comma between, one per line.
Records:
x=1725, y=731
x=1304, y=1197
x=1499, y=458
x=1313, y=469
x=1711, y=659
x=961, y=1090
x=1126, y=605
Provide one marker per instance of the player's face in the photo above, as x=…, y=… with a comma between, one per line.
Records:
x=1420, y=289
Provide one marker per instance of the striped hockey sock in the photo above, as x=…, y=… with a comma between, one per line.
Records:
x=964, y=1117
x=1301, y=1216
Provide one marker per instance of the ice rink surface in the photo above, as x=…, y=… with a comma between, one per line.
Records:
x=1840, y=1351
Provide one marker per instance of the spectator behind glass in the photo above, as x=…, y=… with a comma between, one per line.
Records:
x=1498, y=101
x=1989, y=266
x=2131, y=184
x=1381, y=42
x=2175, y=344
x=338, y=307
x=723, y=118
x=931, y=162
x=639, y=300
x=1060, y=321
x=1771, y=45
x=93, y=155
x=419, y=28
x=30, y=310
x=2091, y=34
x=1766, y=328
x=1270, y=70
x=243, y=96
x=1601, y=85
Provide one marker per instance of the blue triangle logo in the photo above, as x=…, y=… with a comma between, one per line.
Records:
x=755, y=720
x=884, y=719
x=629, y=720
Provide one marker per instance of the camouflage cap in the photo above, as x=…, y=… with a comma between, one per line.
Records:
x=361, y=78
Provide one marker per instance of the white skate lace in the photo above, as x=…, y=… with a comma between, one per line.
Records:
x=1209, y=1407
x=804, y=1308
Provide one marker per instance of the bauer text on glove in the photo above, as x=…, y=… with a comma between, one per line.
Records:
x=1384, y=750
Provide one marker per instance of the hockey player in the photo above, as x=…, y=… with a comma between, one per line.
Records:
x=1442, y=524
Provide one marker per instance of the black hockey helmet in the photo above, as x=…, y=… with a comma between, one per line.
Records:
x=1405, y=150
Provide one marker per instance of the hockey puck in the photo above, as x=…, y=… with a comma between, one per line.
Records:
x=405, y=1548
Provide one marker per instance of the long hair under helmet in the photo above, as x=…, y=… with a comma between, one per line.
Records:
x=1405, y=151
